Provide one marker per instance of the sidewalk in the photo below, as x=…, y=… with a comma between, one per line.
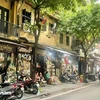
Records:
x=53, y=89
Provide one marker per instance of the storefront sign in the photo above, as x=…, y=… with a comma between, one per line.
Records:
x=25, y=50
x=5, y=48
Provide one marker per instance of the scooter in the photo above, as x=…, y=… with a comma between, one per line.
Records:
x=65, y=78
x=15, y=88
x=5, y=94
x=10, y=91
x=29, y=84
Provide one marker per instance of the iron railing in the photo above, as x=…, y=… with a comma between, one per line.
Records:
x=8, y=29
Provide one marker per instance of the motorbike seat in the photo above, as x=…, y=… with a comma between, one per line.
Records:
x=5, y=84
x=4, y=89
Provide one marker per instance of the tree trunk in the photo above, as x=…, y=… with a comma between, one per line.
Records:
x=35, y=46
x=85, y=63
x=85, y=67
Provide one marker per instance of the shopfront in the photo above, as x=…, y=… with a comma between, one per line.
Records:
x=69, y=62
x=8, y=57
x=57, y=61
x=24, y=60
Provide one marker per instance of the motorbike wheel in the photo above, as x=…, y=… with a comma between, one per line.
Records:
x=7, y=98
x=19, y=93
x=35, y=89
x=4, y=98
x=73, y=81
x=63, y=80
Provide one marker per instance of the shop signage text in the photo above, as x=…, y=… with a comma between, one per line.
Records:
x=5, y=48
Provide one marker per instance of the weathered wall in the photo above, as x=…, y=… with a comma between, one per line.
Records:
x=46, y=37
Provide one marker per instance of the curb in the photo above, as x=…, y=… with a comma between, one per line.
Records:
x=70, y=91
x=41, y=94
x=65, y=90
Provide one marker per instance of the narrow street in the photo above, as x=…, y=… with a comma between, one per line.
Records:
x=89, y=93
x=50, y=49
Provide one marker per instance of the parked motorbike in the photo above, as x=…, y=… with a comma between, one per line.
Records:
x=29, y=84
x=10, y=91
x=5, y=94
x=66, y=78
x=16, y=89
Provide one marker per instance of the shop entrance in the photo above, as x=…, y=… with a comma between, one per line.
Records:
x=41, y=65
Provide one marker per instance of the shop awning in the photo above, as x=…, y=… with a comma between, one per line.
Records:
x=10, y=42
x=57, y=49
x=42, y=46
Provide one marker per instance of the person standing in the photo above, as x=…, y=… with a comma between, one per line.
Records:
x=2, y=72
x=99, y=75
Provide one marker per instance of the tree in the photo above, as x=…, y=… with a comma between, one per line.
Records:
x=84, y=25
x=38, y=6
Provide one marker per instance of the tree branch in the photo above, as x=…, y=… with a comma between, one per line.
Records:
x=41, y=4
x=94, y=38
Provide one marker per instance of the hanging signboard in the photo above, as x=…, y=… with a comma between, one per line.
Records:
x=25, y=50
x=6, y=48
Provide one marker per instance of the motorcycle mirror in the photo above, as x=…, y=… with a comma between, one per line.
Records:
x=6, y=77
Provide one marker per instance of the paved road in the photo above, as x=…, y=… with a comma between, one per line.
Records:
x=89, y=93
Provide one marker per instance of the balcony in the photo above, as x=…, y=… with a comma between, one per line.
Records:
x=76, y=45
x=8, y=29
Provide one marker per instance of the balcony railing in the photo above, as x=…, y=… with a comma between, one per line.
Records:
x=8, y=29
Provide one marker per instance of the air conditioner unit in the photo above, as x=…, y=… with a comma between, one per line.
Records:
x=26, y=27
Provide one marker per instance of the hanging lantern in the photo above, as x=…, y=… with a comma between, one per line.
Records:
x=44, y=21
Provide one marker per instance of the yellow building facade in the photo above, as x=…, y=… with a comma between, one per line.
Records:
x=14, y=13
x=15, y=16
